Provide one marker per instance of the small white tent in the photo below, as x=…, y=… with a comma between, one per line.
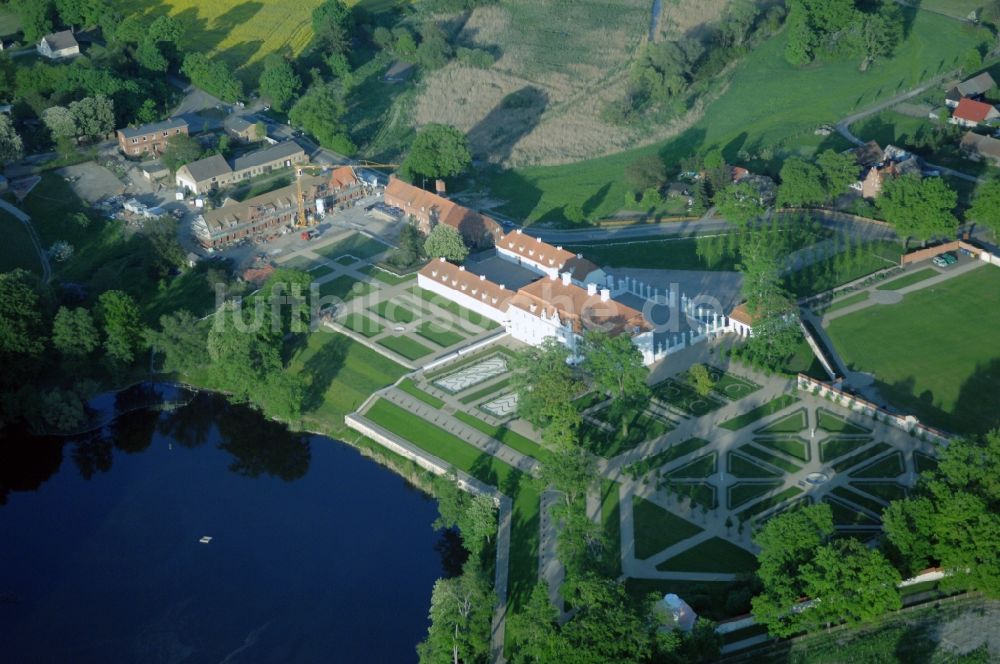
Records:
x=676, y=613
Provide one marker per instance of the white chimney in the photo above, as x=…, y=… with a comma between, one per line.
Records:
x=519, y=231
x=567, y=278
x=482, y=277
x=552, y=277
x=461, y=268
x=605, y=295
x=591, y=289
x=441, y=259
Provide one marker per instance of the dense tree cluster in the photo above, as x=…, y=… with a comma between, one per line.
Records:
x=919, y=207
x=320, y=112
x=446, y=241
x=213, y=76
x=808, y=184
x=438, y=151
x=819, y=28
x=776, y=331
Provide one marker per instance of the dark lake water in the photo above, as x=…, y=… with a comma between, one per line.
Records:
x=317, y=554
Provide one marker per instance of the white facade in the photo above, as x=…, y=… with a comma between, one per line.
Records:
x=470, y=298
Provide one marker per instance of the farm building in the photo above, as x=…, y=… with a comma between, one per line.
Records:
x=214, y=172
x=429, y=209
x=59, y=45
x=972, y=113
x=242, y=129
x=973, y=88
x=977, y=147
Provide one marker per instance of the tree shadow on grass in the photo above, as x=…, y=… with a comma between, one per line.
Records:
x=322, y=368
x=976, y=407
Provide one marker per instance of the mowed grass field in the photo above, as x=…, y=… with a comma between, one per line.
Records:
x=243, y=33
x=769, y=103
x=935, y=354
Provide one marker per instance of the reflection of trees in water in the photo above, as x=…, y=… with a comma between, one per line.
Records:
x=453, y=554
x=260, y=446
x=191, y=425
x=93, y=454
x=26, y=463
x=134, y=433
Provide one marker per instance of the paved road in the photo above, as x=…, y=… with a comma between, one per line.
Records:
x=844, y=126
x=43, y=257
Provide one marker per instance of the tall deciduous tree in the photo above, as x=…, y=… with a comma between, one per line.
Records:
x=615, y=366
x=123, y=332
x=11, y=147
x=74, y=333
x=954, y=520
x=446, y=241
x=920, y=208
x=212, y=76
x=801, y=184
x=545, y=387
x=180, y=341
x=93, y=116
x=180, y=149
x=320, y=112
x=839, y=172
x=332, y=23
x=740, y=203
x=787, y=542
x=21, y=332
x=645, y=172
x=775, y=329
x=461, y=615
x=437, y=151
x=36, y=18
x=279, y=82
x=60, y=122
x=986, y=206
x=534, y=631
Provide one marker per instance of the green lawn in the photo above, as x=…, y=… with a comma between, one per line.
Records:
x=342, y=373
x=407, y=385
x=387, y=277
x=393, y=311
x=345, y=287
x=768, y=103
x=909, y=280
x=848, y=516
x=769, y=408
x=642, y=427
x=870, y=453
x=439, y=333
x=656, y=528
x=362, y=325
x=611, y=517
x=730, y=386
x=17, y=250
x=698, y=468
x=767, y=457
x=684, y=397
x=887, y=491
x=768, y=503
x=346, y=260
x=934, y=354
x=488, y=469
x=508, y=437
x=890, y=466
x=791, y=423
x=743, y=492
x=740, y=466
x=833, y=423
x=924, y=462
x=796, y=447
x=843, y=303
x=675, y=451
x=700, y=493
x=357, y=245
x=405, y=346
x=858, y=499
x=831, y=448
x=713, y=555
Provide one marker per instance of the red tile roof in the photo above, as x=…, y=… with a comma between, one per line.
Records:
x=534, y=249
x=971, y=110
x=343, y=177
x=579, y=308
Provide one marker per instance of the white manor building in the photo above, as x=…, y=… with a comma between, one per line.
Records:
x=572, y=296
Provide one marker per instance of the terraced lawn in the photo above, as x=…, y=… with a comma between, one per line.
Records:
x=405, y=347
x=362, y=324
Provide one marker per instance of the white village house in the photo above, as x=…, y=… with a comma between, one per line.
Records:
x=59, y=45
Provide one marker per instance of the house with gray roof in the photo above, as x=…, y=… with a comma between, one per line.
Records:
x=242, y=129
x=214, y=172
x=973, y=88
x=59, y=45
